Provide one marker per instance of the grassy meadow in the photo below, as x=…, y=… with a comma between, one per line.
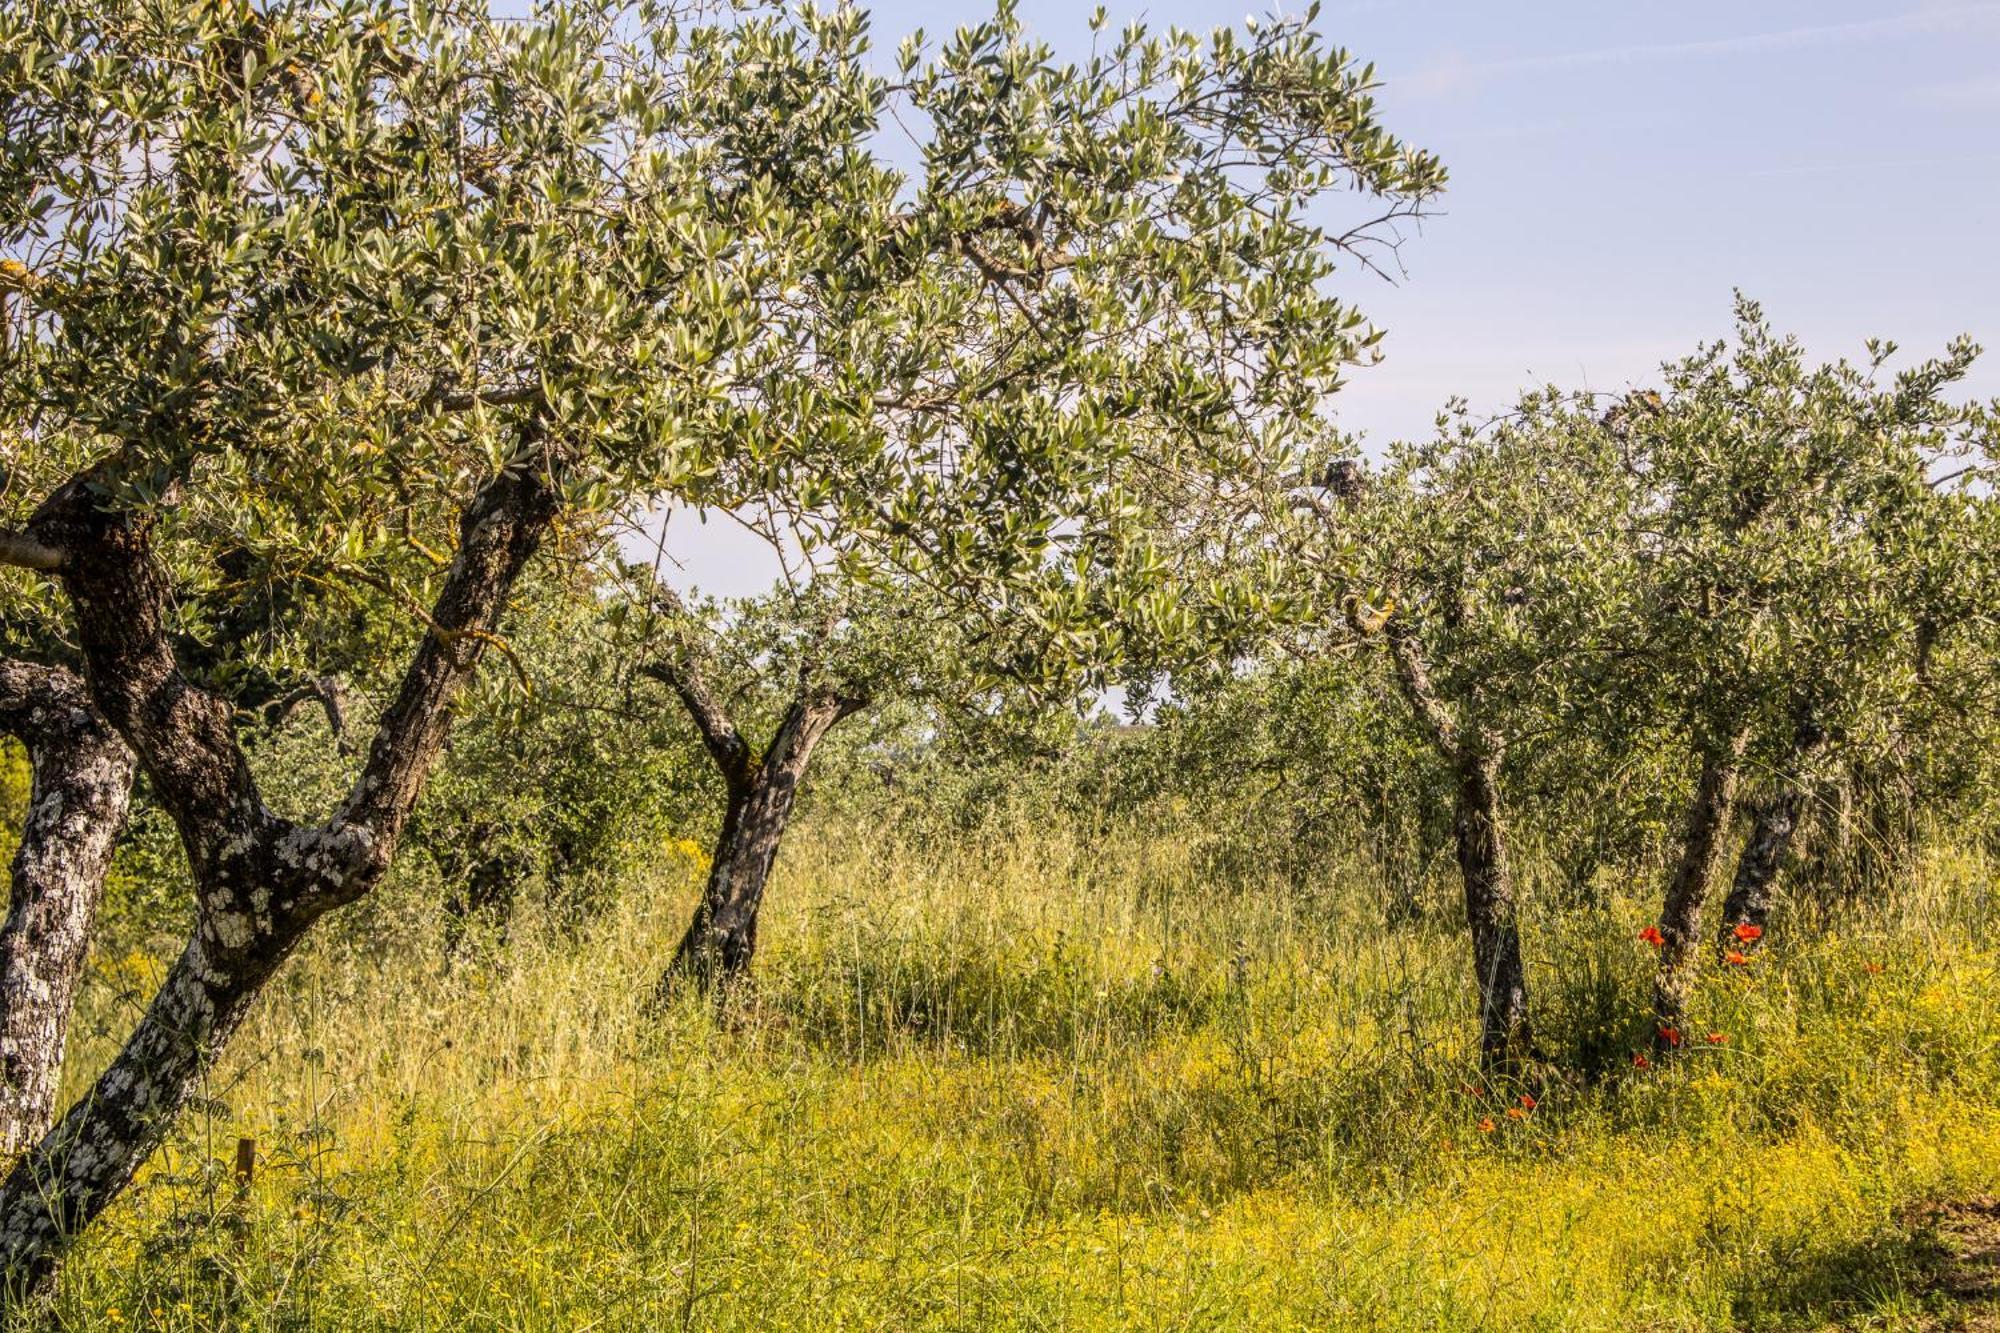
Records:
x=1044, y=1080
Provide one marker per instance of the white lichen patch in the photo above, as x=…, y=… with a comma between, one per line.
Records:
x=232, y=930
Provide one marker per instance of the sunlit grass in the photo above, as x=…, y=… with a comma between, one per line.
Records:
x=1047, y=1081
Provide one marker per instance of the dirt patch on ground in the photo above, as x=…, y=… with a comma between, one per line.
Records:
x=1963, y=1287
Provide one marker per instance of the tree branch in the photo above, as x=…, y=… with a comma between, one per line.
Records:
x=681, y=672
x=499, y=532
x=184, y=736
x=725, y=744
x=328, y=693
x=243, y=855
x=1413, y=677
x=21, y=550
x=512, y=395
x=808, y=718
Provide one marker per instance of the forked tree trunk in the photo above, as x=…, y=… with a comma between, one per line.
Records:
x=1777, y=819
x=260, y=881
x=1709, y=818
x=77, y=804
x=721, y=940
x=1505, y=1040
x=1750, y=892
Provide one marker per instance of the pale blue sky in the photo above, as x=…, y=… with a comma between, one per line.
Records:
x=1617, y=168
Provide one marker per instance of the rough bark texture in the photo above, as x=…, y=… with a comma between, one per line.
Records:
x=1750, y=892
x=77, y=804
x=1709, y=818
x=721, y=940
x=260, y=881
x=1506, y=1040
x=1777, y=819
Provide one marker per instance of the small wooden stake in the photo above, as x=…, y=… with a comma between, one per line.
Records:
x=246, y=1165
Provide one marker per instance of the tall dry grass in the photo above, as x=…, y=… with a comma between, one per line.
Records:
x=1050, y=1080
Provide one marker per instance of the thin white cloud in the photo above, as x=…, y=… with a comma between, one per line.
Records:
x=1455, y=73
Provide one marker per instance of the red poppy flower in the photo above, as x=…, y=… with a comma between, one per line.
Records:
x=1736, y=958
x=1528, y=1101
x=1872, y=969
x=1748, y=933
x=1652, y=936
x=1671, y=1036
x=1718, y=1038
x=1486, y=1125
x=1639, y=1061
x=1516, y=1113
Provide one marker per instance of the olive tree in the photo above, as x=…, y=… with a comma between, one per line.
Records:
x=1789, y=519
x=1490, y=563
x=392, y=297
x=313, y=287
x=1101, y=287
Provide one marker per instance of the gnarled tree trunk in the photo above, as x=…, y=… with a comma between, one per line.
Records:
x=260, y=881
x=77, y=805
x=1777, y=819
x=721, y=941
x=1750, y=892
x=1709, y=818
x=1505, y=1040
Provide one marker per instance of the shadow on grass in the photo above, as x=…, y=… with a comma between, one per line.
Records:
x=870, y=1005
x=1937, y=1267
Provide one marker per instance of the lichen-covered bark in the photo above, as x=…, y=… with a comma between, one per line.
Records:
x=1709, y=816
x=1750, y=891
x=721, y=940
x=1772, y=827
x=77, y=805
x=92, y=1153
x=260, y=881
